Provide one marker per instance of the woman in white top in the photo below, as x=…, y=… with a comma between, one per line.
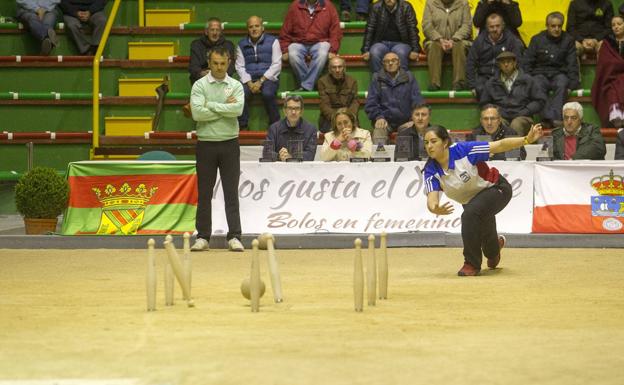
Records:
x=461, y=172
x=346, y=141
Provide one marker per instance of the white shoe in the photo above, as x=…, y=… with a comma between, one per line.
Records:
x=200, y=245
x=235, y=245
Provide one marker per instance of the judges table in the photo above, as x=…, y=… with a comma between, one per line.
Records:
x=144, y=197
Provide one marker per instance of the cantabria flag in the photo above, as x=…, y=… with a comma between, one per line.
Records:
x=128, y=198
x=573, y=199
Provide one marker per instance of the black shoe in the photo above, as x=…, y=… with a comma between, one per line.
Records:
x=46, y=47
x=616, y=123
x=459, y=86
x=433, y=87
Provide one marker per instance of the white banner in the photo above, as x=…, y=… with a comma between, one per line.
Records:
x=340, y=197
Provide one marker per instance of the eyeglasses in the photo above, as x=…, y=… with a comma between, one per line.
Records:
x=391, y=61
x=293, y=109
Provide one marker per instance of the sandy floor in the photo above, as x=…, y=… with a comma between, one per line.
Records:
x=545, y=317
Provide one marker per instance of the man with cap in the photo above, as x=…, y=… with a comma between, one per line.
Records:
x=514, y=92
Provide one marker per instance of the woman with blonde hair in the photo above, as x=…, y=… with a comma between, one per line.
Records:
x=346, y=141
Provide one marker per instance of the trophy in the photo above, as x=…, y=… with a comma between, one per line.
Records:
x=380, y=154
x=403, y=149
x=545, y=150
x=268, y=153
x=295, y=149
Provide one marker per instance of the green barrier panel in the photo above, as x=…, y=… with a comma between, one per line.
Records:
x=267, y=25
x=9, y=176
x=9, y=26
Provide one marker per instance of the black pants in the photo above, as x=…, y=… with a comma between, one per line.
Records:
x=479, y=222
x=558, y=84
x=224, y=156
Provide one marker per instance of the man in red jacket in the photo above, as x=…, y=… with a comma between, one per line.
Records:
x=311, y=30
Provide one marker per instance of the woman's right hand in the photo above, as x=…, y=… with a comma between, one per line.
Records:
x=445, y=209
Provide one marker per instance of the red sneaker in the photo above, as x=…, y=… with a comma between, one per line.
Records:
x=493, y=262
x=468, y=270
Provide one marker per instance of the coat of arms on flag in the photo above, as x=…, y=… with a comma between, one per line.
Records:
x=123, y=208
x=608, y=206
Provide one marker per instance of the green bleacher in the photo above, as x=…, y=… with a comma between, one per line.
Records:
x=45, y=94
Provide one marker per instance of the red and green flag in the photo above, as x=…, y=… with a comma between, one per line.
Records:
x=130, y=198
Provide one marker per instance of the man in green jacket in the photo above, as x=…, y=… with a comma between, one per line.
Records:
x=577, y=140
x=216, y=103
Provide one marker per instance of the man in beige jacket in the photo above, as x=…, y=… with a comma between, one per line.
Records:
x=448, y=29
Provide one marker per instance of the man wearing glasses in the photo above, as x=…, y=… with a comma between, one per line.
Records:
x=293, y=131
x=493, y=125
x=392, y=94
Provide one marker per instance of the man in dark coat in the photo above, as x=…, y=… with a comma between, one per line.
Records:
x=392, y=27
x=481, y=61
x=577, y=139
x=551, y=61
x=492, y=124
x=508, y=9
x=589, y=22
x=392, y=93
x=79, y=13
x=515, y=93
x=212, y=38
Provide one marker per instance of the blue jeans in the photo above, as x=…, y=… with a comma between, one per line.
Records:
x=268, y=92
x=38, y=28
x=380, y=49
x=361, y=6
x=308, y=73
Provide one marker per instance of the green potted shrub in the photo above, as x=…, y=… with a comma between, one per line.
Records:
x=41, y=195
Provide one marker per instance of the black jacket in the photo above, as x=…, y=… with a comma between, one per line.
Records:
x=199, y=62
x=510, y=13
x=590, y=143
x=589, y=19
x=549, y=56
x=619, y=145
x=405, y=20
x=503, y=131
x=525, y=98
x=481, y=60
x=71, y=7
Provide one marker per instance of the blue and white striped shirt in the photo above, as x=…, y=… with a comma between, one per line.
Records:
x=467, y=172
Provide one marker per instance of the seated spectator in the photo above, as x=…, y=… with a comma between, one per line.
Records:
x=493, y=125
x=446, y=25
x=259, y=63
x=421, y=120
x=588, y=23
x=211, y=39
x=391, y=27
x=336, y=90
x=608, y=88
x=576, y=139
x=392, y=94
x=293, y=127
x=515, y=93
x=361, y=8
x=311, y=29
x=346, y=140
x=481, y=61
x=619, y=145
x=509, y=11
x=77, y=14
x=552, y=62
x=39, y=17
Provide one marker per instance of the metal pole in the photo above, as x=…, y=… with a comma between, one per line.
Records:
x=30, y=149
